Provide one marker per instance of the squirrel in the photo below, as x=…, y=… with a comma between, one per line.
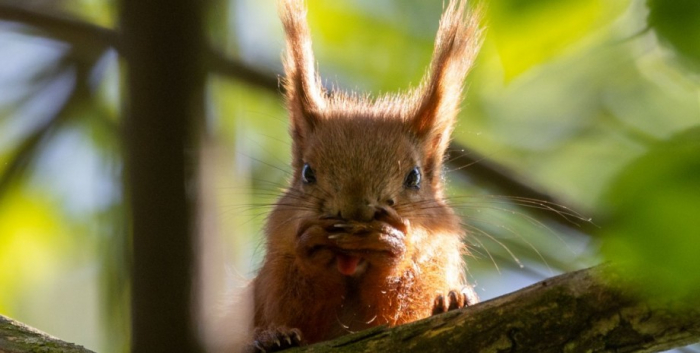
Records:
x=363, y=235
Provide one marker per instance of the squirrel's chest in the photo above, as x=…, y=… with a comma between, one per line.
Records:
x=356, y=313
x=364, y=306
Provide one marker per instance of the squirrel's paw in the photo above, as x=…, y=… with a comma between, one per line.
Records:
x=454, y=300
x=275, y=339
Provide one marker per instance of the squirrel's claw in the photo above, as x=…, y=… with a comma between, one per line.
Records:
x=454, y=300
x=439, y=305
x=273, y=340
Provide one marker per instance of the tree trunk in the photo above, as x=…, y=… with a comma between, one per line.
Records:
x=162, y=42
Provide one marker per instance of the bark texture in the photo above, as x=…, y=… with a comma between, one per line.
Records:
x=16, y=337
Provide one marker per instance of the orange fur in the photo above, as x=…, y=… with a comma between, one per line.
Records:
x=409, y=241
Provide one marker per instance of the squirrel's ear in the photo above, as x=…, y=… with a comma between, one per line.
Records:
x=304, y=92
x=438, y=99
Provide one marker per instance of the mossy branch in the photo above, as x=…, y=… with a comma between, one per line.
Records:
x=16, y=337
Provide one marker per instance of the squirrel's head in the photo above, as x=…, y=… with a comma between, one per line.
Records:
x=355, y=156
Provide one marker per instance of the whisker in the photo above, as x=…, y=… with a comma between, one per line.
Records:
x=561, y=210
x=492, y=238
x=269, y=153
x=281, y=169
x=464, y=155
x=534, y=222
x=482, y=246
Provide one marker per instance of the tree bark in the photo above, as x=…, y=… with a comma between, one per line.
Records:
x=16, y=337
x=591, y=310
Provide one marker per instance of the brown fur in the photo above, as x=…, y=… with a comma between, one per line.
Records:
x=361, y=151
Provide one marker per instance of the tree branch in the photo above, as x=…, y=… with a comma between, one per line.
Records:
x=62, y=28
x=16, y=337
x=236, y=69
x=31, y=145
x=591, y=310
x=585, y=311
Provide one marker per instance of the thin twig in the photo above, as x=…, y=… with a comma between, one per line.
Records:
x=62, y=28
x=31, y=145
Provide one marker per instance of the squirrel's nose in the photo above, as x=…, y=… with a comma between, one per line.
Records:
x=360, y=212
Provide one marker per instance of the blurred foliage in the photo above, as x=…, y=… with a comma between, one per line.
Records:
x=528, y=33
x=653, y=224
x=576, y=97
x=369, y=45
x=677, y=22
x=33, y=240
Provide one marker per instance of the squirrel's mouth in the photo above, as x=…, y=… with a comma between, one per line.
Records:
x=350, y=265
x=358, y=246
x=352, y=248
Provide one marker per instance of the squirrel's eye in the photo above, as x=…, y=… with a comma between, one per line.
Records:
x=412, y=179
x=307, y=174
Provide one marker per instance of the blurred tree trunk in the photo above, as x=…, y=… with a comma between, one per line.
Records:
x=162, y=42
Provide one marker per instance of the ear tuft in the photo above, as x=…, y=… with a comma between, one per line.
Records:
x=456, y=46
x=304, y=92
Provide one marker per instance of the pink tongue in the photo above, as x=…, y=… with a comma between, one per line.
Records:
x=347, y=264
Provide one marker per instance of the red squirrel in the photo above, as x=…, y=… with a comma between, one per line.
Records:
x=363, y=235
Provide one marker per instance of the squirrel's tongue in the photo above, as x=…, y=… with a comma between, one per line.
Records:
x=347, y=264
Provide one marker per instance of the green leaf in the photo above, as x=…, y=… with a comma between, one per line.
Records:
x=531, y=32
x=654, y=224
x=32, y=236
x=677, y=23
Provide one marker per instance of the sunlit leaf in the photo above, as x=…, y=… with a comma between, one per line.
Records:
x=98, y=12
x=677, y=22
x=528, y=33
x=654, y=228
x=30, y=243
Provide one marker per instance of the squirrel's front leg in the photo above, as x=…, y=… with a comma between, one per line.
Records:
x=314, y=246
x=288, y=318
